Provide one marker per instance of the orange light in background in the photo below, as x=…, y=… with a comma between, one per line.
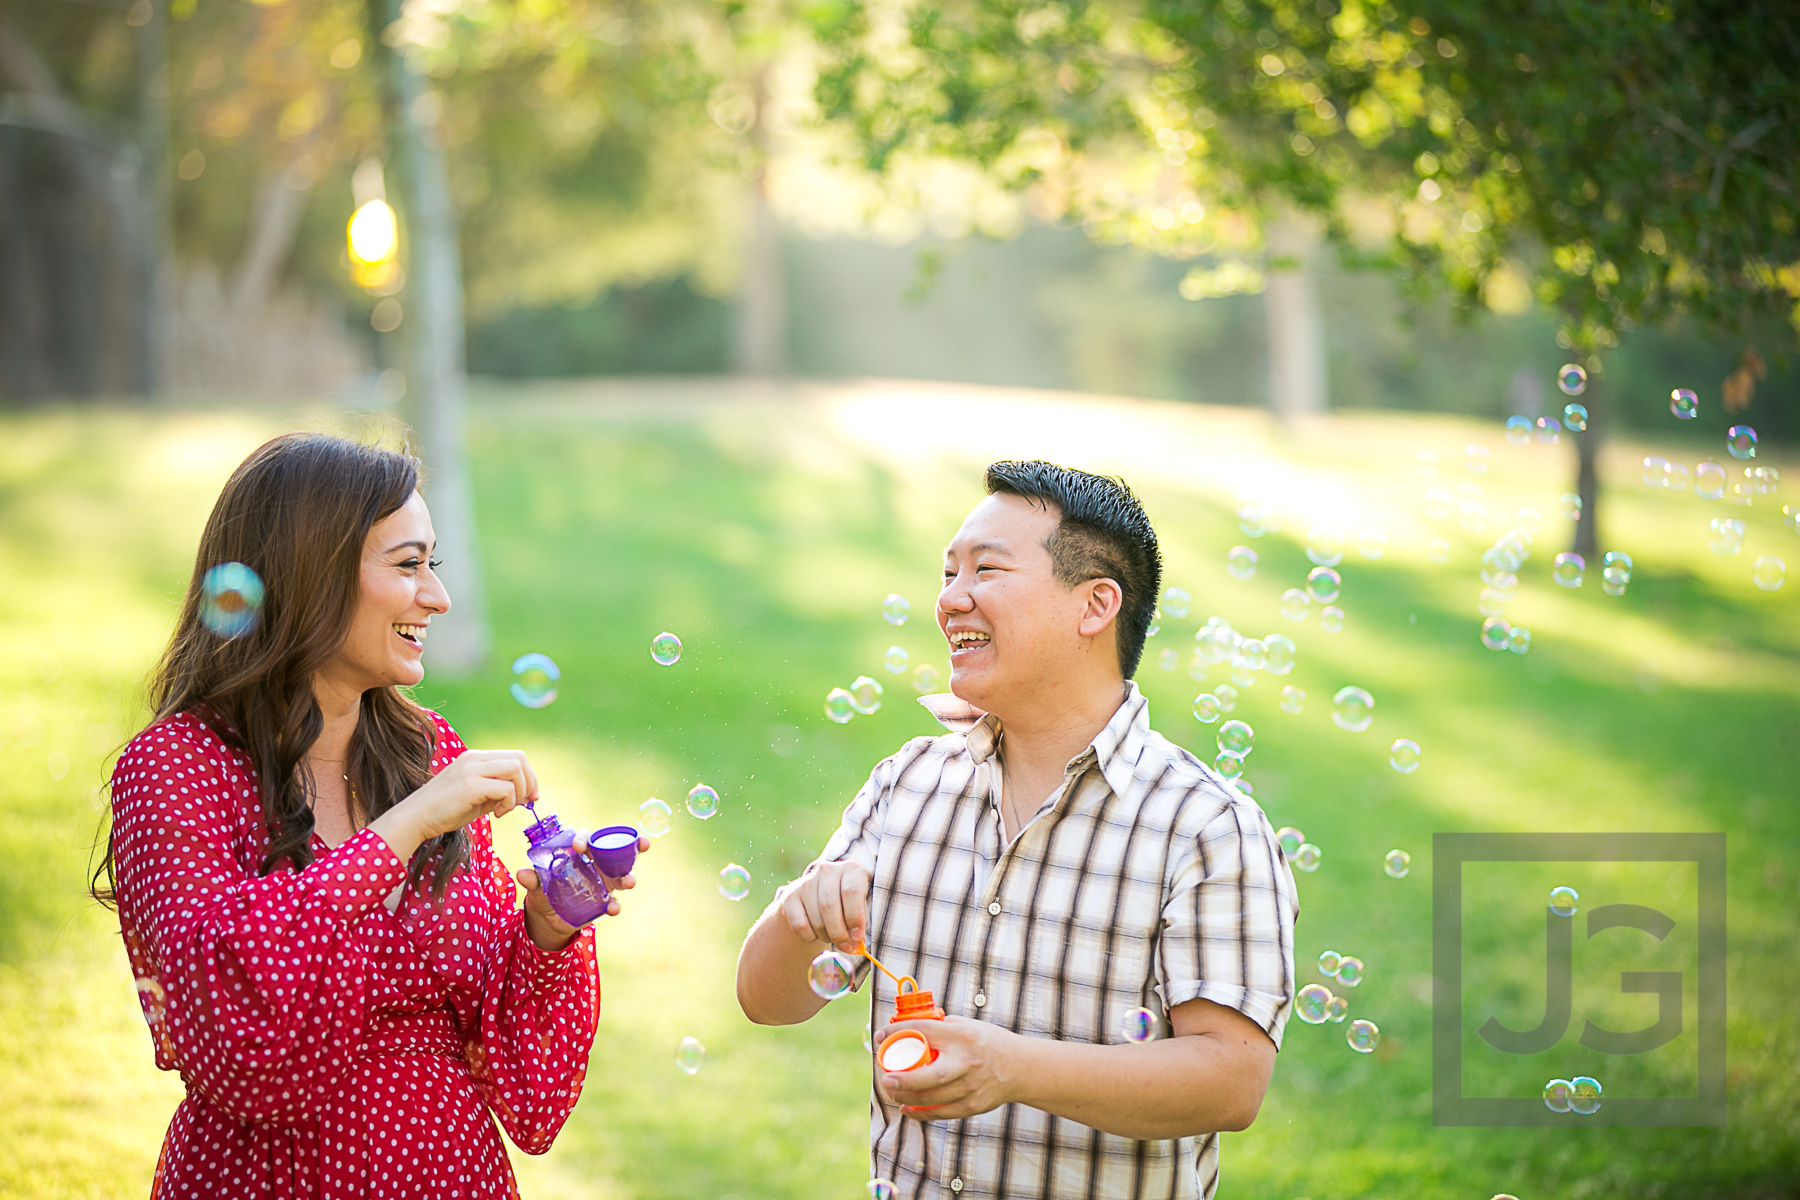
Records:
x=374, y=240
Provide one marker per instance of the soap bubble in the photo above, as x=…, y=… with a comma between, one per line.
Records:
x=1240, y=562
x=1350, y=971
x=1228, y=765
x=1236, y=737
x=690, y=1056
x=1557, y=1094
x=1437, y=504
x=1684, y=404
x=1337, y=1009
x=1562, y=901
x=865, y=695
x=1371, y=544
x=1310, y=1003
x=702, y=802
x=832, y=975
x=231, y=598
x=1615, y=572
x=1252, y=655
x=1290, y=840
x=1306, y=858
x=1396, y=863
x=1472, y=515
x=1243, y=785
x=1324, y=546
x=1295, y=604
x=1768, y=573
x=882, y=1189
x=1656, y=470
x=1438, y=550
x=1253, y=519
x=1569, y=507
x=925, y=679
x=654, y=817
x=1518, y=430
x=1475, y=459
x=1584, y=1098
x=1567, y=569
x=1207, y=709
x=1491, y=602
x=1518, y=639
x=1138, y=1025
x=1403, y=755
x=1425, y=462
x=1727, y=536
x=734, y=882
x=1176, y=603
x=1572, y=379
x=1575, y=416
x=1279, y=654
x=868, y=1037
x=1709, y=480
x=1155, y=626
x=895, y=609
x=1362, y=1036
x=895, y=660
x=1549, y=430
x=1529, y=520
x=1329, y=962
x=1790, y=516
x=1293, y=699
x=839, y=706
x=534, y=680
x=1168, y=660
x=1494, y=633
x=1323, y=584
x=665, y=649
x=1764, y=480
x=1352, y=709
x=1331, y=618
x=1741, y=441
x=1228, y=697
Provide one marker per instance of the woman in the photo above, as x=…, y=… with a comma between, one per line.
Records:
x=326, y=945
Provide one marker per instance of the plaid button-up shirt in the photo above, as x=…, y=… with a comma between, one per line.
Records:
x=1144, y=882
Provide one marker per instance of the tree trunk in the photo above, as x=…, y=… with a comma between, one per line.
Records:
x=153, y=184
x=1296, y=333
x=436, y=383
x=274, y=220
x=759, y=340
x=1587, y=476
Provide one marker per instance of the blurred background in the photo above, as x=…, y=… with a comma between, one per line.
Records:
x=704, y=317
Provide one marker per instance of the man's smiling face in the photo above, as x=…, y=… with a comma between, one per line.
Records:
x=1011, y=625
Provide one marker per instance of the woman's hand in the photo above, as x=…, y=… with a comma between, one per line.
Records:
x=549, y=931
x=478, y=783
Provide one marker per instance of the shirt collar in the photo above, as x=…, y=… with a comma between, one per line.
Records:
x=1116, y=748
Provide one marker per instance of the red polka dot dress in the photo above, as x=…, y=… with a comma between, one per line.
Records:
x=334, y=1046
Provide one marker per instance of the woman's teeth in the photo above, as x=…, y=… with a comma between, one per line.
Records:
x=412, y=633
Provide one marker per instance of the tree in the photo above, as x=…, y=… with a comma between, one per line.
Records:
x=1637, y=160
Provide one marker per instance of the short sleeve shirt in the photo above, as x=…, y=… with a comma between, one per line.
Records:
x=1144, y=882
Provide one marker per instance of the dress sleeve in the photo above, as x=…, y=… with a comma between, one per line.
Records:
x=1228, y=922
x=538, y=1012
x=262, y=985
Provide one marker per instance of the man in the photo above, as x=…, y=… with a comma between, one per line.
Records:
x=1046, y=869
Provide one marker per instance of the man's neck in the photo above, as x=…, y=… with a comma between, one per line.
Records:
x=1041, y=739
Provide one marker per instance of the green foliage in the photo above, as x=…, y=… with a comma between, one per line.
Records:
x=1636, y=154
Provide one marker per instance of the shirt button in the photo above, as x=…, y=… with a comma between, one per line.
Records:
x=994, y=909
x=956, y=1184
x=980, y=999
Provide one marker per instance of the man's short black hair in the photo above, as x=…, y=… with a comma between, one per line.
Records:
x=1103, y=534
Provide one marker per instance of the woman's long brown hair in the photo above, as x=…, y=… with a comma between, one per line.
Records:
x=297, y=512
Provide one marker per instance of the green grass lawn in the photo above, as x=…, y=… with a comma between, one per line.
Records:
x=764, y=527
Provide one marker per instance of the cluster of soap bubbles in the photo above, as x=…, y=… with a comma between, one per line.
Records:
x=1301, y=854
x=1315, y=1004
x=1519, y=429
x=231, y=600
x=1580, y=1095
x=1236, y=739
x=1713, y=481
x=1500, y=566
x=861, y=698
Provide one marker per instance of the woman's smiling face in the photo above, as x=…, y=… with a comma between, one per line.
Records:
x=400, y=594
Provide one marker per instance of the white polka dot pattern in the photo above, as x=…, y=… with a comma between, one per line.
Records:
x=331, y=1047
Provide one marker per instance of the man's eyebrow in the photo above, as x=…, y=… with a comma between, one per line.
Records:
x=978, y=547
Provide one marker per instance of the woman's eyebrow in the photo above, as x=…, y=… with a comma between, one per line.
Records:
x=420, y=546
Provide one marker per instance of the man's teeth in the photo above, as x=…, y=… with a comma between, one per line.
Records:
x=963, y=641
x=415, y=632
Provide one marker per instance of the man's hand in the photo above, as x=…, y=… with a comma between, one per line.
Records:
x=973, y=1074
x=830, y=903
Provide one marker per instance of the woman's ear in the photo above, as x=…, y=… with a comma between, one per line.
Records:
x=1101, y=606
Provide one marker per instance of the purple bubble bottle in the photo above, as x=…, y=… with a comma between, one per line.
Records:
x=574, y=879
